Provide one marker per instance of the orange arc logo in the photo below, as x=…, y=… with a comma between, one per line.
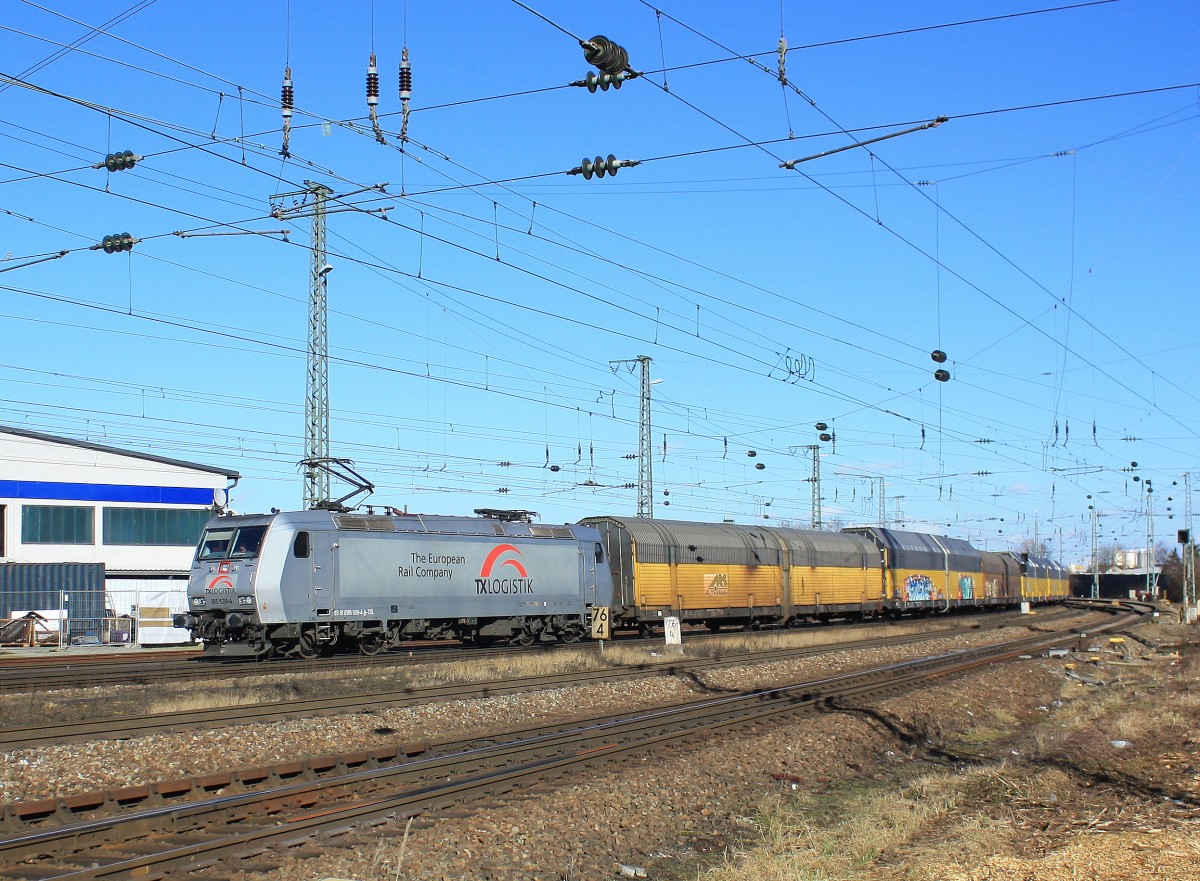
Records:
x=490, y=562
x=221, y=582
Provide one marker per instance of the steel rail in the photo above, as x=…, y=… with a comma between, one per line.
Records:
x=125, y=727
x=176, y=839
x=21, y=674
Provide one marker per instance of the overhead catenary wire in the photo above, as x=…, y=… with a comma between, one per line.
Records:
x=925, y=253
x=176, y=233
x=539, y=215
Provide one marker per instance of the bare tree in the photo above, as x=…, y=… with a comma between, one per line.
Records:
x=1034, y=548
x=1106, y=556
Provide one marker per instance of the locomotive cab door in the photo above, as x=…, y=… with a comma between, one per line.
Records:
x=324, y=573
x=591, y=555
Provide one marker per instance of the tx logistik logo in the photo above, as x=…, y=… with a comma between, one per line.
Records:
x=220, y=584
x=487, y=583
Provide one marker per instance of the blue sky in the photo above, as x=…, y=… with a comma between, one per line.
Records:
x=483, y=327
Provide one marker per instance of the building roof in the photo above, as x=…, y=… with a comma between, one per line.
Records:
x=88, y=445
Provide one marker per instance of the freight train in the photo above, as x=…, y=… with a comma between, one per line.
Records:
x=308, y=582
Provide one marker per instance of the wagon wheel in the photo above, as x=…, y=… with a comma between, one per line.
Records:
x=646, y=630
x=372, y=643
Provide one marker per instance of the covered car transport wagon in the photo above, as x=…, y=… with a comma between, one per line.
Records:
x=927, y=571
x=725, y=573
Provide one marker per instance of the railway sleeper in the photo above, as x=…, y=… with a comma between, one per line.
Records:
x=17, y=816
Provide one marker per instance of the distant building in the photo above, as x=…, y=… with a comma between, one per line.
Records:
x=1135, y=558
x=134, y=516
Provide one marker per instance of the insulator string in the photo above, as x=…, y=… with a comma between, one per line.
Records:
x=287, y=100
x=405, y=92
x=373, y=91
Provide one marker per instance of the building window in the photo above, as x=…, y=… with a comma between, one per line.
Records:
x=58, y=525
x=153, y=526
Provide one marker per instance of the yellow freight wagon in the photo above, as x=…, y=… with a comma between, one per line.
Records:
x=832, y=573
x=1042, y=580
x=925, y=571
x=728, y=574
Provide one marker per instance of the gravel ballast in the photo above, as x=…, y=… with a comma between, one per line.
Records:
x=657, y=816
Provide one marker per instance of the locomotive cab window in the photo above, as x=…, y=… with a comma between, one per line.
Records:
x=300, y=547
x=215, y=544
x=248, y=541
x=230, y=542
x=599, y=552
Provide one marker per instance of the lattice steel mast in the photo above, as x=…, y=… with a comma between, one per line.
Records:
x=316, y=398
x=645, y=485
x=645, y=457
x=815, y=480
x=1189, y=553
x=1095, y=553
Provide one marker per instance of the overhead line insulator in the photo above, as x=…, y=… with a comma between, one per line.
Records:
x=603, y=81
x=372, y=81
x=115, y=243
x=405, y=92
x=119, y=161
x=373, y=98
x=600, y=167
x=287, y=101
x=603, y=53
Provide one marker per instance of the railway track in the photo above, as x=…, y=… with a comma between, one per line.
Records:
x=36, y=733
x=25, y=674
x=227, y=823
x=157, y=668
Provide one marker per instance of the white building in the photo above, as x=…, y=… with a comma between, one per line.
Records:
x=71, y=501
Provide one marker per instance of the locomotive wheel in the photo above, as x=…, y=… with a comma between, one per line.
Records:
x=263, y=650
x=523, y=637
x=306, y=646
x=572, y=632
x=372, y=643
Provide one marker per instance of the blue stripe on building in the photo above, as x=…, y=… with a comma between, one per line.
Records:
x=105, y=492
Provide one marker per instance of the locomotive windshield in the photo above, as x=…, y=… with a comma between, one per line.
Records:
x=231, y=543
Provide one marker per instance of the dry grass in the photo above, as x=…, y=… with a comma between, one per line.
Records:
x=310, y=681
x=850, y=832
x=1051, y=799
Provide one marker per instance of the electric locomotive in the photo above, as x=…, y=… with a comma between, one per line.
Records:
x=307, y=582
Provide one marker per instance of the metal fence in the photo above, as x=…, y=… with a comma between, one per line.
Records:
x=67, y=598
x=33, y=629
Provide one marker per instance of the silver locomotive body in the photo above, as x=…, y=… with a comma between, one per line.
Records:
x=303, y=582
